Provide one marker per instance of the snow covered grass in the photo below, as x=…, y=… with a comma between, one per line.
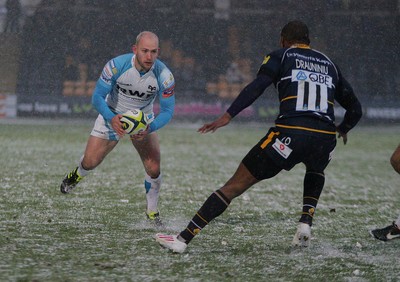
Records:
x=99, y=232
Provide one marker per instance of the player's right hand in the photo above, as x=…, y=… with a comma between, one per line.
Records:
x=117, y=125
x=221, y=121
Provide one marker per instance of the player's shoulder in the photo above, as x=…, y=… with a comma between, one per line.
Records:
x=323, y=58
x=115, y=67
x=322, y=54
x=163, y=73
x=121, y=63
x=273, y=58
x=123, y=59
x=160, y=66
x=278, y=53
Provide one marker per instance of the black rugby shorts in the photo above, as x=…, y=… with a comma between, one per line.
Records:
x=279, y=150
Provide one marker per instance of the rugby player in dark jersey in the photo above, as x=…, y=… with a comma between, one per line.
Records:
x=308, y=83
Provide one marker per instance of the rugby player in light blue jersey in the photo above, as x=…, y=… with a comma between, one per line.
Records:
x=127, y=82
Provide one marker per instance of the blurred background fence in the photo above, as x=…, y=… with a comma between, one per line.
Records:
x=52, y=52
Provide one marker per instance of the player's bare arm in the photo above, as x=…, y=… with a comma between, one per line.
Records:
x=220, y=122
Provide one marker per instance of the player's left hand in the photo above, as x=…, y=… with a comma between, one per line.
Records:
x=140, y=136
x=342, y=135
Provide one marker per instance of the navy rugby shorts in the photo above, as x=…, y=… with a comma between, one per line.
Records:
x=280, y=149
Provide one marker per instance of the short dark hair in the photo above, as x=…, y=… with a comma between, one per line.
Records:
x=296, y=32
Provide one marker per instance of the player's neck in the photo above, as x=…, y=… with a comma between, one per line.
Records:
x=139, y=68
x=300, y=45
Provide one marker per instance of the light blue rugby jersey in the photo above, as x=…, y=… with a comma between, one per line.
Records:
x=121, y=88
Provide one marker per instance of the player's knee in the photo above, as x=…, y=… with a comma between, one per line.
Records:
x=154, y=175
x=153, y=170
x=233, y=190
x=90, y=164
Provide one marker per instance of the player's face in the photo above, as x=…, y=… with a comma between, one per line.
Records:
x=146, y=52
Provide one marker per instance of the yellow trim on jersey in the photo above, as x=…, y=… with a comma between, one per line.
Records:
x=289, y=97
x=266, y=59
x=269, y=139
x=306, y=128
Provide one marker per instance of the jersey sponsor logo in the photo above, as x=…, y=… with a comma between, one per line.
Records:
x=167, y=82
x=107, y=73
x=301, y=76
x=151, y=88
x=113, y=67
x=309, y=58
x=105, y=78
x=168, y=92
x=99, y=132
x=150, y=117
x=282, y=147
x=134, y=93
x=312, y=77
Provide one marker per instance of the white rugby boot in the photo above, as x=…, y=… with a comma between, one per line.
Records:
x=302, y=237
x=171, y=242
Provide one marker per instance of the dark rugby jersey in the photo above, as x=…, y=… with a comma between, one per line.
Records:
x=306, y=81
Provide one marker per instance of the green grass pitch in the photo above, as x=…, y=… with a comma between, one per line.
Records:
x=99, y=231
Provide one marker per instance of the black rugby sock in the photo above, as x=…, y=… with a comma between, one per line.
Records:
x=214, y=206
x=313, y=185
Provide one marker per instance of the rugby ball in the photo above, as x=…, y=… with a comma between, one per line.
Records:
x=134, y=121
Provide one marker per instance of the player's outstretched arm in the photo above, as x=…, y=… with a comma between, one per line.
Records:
x=213, y=126
x=245, y=98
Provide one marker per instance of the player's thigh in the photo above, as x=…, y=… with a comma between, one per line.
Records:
x=260, y=160
x=148, y=149
x=96, y=150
